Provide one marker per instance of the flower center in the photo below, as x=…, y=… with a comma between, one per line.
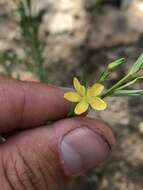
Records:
x=86, y=97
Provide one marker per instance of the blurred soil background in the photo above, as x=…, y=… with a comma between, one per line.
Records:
x=78, y=32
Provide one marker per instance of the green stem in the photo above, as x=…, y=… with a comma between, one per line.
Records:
x=71, y=113
x=117, y=85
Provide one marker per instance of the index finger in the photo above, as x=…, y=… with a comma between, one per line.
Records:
x=29, y=104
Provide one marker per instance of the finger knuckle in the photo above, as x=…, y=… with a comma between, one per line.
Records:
x=16, y=173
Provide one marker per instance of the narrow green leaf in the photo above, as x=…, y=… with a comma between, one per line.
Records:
x=112, y=66
x=128, y=93
x=131, y=82
x=138, y=65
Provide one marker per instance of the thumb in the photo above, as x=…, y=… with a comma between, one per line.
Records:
x=48, y=157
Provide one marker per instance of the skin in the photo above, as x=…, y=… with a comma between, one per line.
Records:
x=33, y=120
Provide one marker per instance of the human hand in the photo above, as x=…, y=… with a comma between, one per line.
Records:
x=41, y=156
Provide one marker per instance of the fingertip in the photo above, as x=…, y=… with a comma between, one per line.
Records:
x=85, y=144
x=96, y=125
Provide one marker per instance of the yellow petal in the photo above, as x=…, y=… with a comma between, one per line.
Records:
x=72, y=96
x=95, y=90
x=81, y=107
x=78, y=87
x=97, y=103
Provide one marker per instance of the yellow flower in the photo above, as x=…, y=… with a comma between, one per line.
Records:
x=85, y=97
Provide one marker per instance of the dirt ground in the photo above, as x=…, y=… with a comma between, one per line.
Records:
x=76, y=33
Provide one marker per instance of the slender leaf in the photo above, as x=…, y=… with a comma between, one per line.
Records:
x=128, y=93
x=131, y=82
x=138, y=65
